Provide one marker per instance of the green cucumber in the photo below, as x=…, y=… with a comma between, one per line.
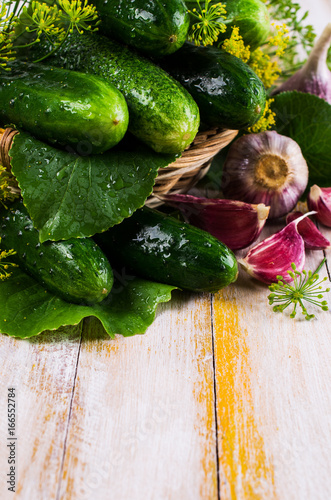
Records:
x=75, y=269
x=162, y=112
x=228, y=92
x=252, y=19
x=161, y=248
x=63, y=107
x=154, y=28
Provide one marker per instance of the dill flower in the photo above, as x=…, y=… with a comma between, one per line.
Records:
x=306, y=287
x=267, y=70
x=8, y=186
x=279, y=40
x=54, y=20
x=43, y=19
x=266, y=63
x=301, y=35
x=6, y=45
x=5, y=265
x=266, y=121
x=6, y=50
x=235, y=45
x=263, y=62
x=209, y=25
x=79, y=14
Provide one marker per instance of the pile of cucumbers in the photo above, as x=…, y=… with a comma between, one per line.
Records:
x=137, y=76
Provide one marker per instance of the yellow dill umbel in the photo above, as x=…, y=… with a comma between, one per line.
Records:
x=235, y=45
x=8, y=186
x=266, y=121
x=6, y=45
x=35, y=19
x=4, y=265
x=280, y=40
x=264, y=62
x=206, y=29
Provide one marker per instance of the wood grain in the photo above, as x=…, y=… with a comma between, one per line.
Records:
x=134, y=418
x=42, y=371
x=142, y=424
x=273, y=402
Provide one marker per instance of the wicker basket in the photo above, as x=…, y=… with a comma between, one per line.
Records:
x=186, y=171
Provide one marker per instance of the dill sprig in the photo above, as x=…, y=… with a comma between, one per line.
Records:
x=6, y=45
x=22, y=24
x=264, y=61
x=9, y=189
x=263, y=64
x=43, y=19
x=306, y=287
x=301, y=35
x=235, y=45
x=79, y=14
x=291, y=32
x=267, y=120
x=4, y=264
x=208, y=25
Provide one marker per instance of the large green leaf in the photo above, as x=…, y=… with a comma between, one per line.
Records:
x=69, y=196
x=307, y=119
x=27, y=309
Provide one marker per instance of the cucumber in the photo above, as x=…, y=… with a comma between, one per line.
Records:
x=161, y=248
x=63, y=107
x=250, y=16
x=252, y=19
x=228, y=92
x=153, y=28
x=162, y=112
x=75, y=270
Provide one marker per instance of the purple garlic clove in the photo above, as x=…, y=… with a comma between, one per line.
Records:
x=319, y=199
x=273, y=256
x=314, y=77
x=313, y=238
x=265, y=168
x=235, y=223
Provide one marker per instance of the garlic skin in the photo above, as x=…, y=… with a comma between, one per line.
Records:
x=314, y=77
x=319, y=199
x=274, y=255
x=312, y=237
x=265, y=168
x=234, y=223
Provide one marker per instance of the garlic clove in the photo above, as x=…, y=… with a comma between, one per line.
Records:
x=273, y=256
x=235, y=223
x=314, y=77
x=319, y=199
x=265, y=168
x=313, y=238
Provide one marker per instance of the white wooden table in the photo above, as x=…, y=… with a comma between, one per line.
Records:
x=221, y=398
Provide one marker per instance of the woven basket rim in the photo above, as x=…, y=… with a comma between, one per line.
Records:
x=192, y=165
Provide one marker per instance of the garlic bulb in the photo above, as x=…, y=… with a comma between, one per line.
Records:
x=273, y=256
x=265, y=168
x=314, y=77
x=313, y=238
x=319, y=199
x=234, y=223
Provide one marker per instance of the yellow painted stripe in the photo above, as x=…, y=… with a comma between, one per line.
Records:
x=245, y=471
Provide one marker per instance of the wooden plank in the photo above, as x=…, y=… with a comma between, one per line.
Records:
x=42, y=370
x=142, y=424
x=274, y=404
